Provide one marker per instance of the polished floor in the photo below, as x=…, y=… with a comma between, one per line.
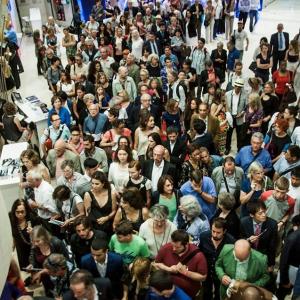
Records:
x=280, y=11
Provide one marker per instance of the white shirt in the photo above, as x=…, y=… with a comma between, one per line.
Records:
x=294, y=192
x=240, y=38
x=43, y=197
x=156, y=174
x=172, y=145
x=105, y=63
x=283, y=41
x=235, y=103
x=102, y=267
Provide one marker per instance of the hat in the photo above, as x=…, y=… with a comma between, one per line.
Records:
x=239, y=82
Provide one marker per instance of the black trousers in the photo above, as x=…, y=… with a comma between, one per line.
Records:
x=239, y=138
x=282, y=292
x=278, y=56
x=211, y=288
x=243, y=17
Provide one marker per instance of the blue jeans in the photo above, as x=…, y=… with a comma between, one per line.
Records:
x=253, y=15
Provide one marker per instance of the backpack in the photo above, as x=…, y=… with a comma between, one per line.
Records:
x=184, y=88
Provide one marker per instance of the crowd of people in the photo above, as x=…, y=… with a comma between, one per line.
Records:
x=138, y=192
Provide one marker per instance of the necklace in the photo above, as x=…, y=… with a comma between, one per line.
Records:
x=156, y=243
x=23, y=238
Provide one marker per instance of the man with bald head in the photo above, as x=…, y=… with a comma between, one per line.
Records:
x=124, y=82
x=94, y=123
x=240, y=262
x=154, y=168
x=57, y=155
x=279, y=45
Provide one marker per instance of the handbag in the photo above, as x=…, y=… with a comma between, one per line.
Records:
x=253, y=66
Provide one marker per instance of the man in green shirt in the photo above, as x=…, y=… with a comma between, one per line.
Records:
x=127, y=244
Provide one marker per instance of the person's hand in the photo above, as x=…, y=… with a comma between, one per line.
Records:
x=112, y=144
x=182, y=269
x=33, y=205
x=23, y=185
x=173, y=269
x=253, y=238
x=226, y=280
x=280, y=225
x=36, y=278
x=271, y=269
x=55, y=217
x=66, y=223
x=197, y=188
x=287, y=286
x=29, y=229
x=159, y=266
x=102, y=220
x=253, y=186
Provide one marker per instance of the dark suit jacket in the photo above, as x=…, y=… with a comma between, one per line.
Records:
x=206, y=141
x=135, y=10
x=114, y=270
x=164, y=38
x=267, y=242
x=134, y=116
x=192, y=27
x=168, y=169
x=204, y=77
x=147, y=45
x=217, y=65
x=274, y=41
x=103, y=286
x=179, y=151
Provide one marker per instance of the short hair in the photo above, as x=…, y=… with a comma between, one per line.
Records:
x=61, y=193
x=135, y=164
x=282, y=183
x=257, y=135
x=228, y=159
x=199, y=126
x=99, y=244
x=181, y=236
x=296, y=172
x=256, y=166
x=53, y=115
x=197, y=176
x=254, y=207
x=35, y=174
x=124, y=228
x=293, y=110
x=161, y=280
x=80, y=87
x=113, y=111
x=227, y=200
x=294, y=151
x=219, y=223
x=54, y=98
x=133, y=197
x=238, y=63
x=202, y=40
x=159, y=212
x=9, y=108
x=55, y=262
x=74, y=128
x=82, y=276
x=283, y=124
x=90, y=163
x=191, y=206
x=67, y=163
x=84, y=221
x=88, y=138
x=172, y=129
x=167, y=58
x=161, y=182
x=40, y=232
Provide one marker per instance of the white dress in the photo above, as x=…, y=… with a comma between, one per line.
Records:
x=118, y=176
x=137, y=49
x=190, y=41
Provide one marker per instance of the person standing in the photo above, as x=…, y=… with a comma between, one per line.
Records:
x=229, y=17
x=240, y=36
x=244, y=8
x=279, y=45
x=253, y=14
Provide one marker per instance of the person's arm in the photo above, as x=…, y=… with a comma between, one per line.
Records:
x=18, y=124
x=247, y=44
x=117, y=218
x=192, y=275
x=145, y=213
x=87, y=203
x=225, y=279
x=205, y=196
x=75, y=109
x=245, y=197
x=136, y=139
x=263, y=280
x=104, y=163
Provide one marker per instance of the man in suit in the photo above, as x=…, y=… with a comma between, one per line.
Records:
x=154, y=168
x=176, y=147
x=279, y=45
x=59, y=154
x=83, y=286
x=240, y=262
x=219, y=59
x=134, y=118
x=132, y=10
x=162, y=34
x=260, y=231
x=104, y=264
x=153, y=45
x=236, y=101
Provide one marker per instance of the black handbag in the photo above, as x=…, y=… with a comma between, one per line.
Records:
x=253, y=66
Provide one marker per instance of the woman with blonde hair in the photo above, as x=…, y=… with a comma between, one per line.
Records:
x=253, y=186
x=153, y=66
x=253, y=116
x=145, y=78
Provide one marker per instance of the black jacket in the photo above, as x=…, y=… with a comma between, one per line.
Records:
x=192, y=27
x=274, y=42
x=268, y=240
x=206, y=141
x=204, y=77
x=168, y=169
x=178, y=154
x=147, y=45
x=217, y=65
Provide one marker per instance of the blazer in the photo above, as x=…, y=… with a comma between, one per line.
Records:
x=241, y=105
x=206, y=141
x=114, y=270
x=178, y=154
x=51, y=161
x=214, y=55
x=267, y=242
x=204, y=77
x=257, y=272
x=135, y=10
x=164, y=38
x=103, y=287
x=274, y=41
x=192, y=27
x=169, y=169
x=147, y=45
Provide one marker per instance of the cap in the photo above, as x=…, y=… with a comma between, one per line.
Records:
x=239, y=82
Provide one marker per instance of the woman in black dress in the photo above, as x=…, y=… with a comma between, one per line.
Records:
x=100, y=203
x=264, y=62
x=22, y=219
